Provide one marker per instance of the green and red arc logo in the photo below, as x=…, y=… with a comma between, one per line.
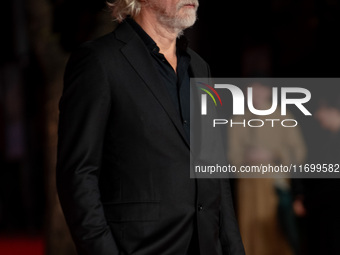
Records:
x=209, y=93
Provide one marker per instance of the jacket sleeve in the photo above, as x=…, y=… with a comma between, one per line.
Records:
x=84, y=109
x=230, y=235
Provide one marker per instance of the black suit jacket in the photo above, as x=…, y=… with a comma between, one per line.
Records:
x=123, y=160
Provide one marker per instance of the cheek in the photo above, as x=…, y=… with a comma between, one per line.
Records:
x=171, y=6
x=164, y=7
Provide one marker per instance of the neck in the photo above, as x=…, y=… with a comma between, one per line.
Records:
x=164, y=37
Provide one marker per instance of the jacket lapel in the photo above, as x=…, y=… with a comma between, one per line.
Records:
x=139, y=57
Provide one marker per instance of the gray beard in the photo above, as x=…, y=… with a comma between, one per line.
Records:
x=177, y=24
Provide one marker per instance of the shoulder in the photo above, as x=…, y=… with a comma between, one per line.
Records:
x=107, y=49
x=104, y=50
x=121, y=35
x=99, y=47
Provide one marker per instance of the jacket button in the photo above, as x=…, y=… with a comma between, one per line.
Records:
x=200, y=207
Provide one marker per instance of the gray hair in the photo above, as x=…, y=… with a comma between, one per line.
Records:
x=120, y=9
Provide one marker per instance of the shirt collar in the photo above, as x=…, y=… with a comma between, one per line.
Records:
x=181, y=43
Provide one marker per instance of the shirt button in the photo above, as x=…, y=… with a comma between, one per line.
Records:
x=200, y=207
x=185, y=122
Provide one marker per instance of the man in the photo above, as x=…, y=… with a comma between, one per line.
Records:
x=123, y=152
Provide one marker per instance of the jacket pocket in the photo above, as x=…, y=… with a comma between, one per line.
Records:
x=132, y=211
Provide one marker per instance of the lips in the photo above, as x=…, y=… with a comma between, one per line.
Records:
x=189, y=4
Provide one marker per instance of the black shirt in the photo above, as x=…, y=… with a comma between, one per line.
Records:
x=177, y=83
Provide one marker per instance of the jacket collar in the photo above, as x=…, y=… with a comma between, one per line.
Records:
x=138, y=55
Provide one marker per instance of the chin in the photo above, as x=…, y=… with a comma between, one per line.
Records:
x=187, y=21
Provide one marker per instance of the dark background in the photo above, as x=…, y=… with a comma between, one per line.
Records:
x=272, y=38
